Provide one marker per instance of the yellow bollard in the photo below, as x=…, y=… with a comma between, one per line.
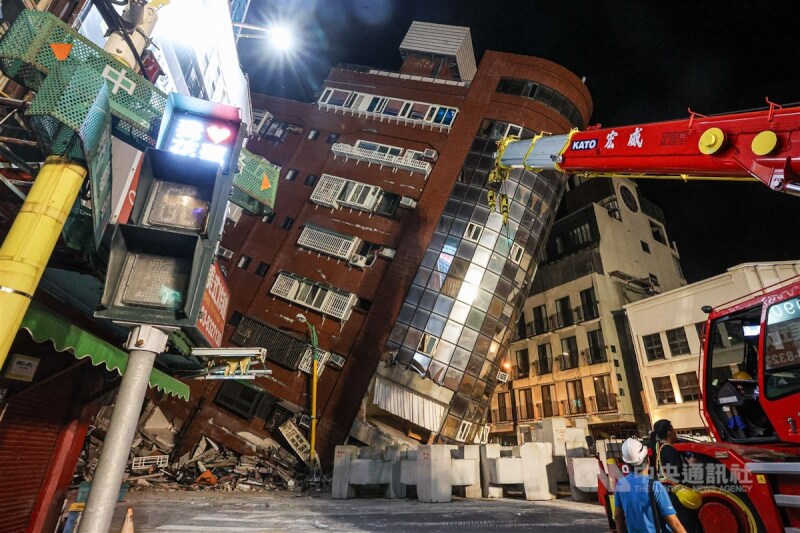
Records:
x=31, y=240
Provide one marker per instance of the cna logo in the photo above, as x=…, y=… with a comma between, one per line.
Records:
x=585, y=144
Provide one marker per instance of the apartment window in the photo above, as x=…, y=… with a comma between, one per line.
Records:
x=678, y=344
x=427, y=344
x=569, y=355
x=380, y=148
x=603, y=395
x=332, y=138
x=564, y=312
x=503, y=407
x=327, y=300
x=549, y=407
x=262, y=268
x=689, y=386
x=291, y=174
x=523, y=364
x=287, y=222
x=310, y=180
x=328, y=242
x=539, y=320
x=244, y=262
x=525, y=399
x=589, y=304
x=576, y=404
x=545, y=363
x=652, y=347
x=313, y=135
x=658, y=232
x=645, y=247
x=597, y=349
x=580, y=235
x=662, y=387
x=473, y=232
x=267, y=219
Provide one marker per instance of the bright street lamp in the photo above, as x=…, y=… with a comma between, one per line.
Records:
x=312, y=331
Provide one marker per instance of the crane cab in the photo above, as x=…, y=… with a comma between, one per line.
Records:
x=751, y=369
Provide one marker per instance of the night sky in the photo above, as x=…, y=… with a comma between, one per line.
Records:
x=643, y=62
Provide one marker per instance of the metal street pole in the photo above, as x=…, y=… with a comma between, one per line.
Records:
x=312, y=332
x=144, y=343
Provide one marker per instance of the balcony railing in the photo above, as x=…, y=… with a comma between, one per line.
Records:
x=568, y=361
x=536, y=327
x=603, y=403
x=574, y=406
x=589, y=311
x=562, y=319
x=499, y=416
x=380, y=158
x=521, y=372
x=547, y=409
x=595, y=354
x=543, y=366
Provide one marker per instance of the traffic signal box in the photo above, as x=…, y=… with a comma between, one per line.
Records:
x=159, y=262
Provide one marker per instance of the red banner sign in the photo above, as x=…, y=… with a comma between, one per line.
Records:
x=217, y=296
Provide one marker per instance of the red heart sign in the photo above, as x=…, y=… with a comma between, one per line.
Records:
x=218, y=134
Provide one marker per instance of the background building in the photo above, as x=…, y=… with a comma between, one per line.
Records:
x=668, y=331
x=573, y=356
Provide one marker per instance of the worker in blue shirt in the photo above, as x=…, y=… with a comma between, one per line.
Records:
x=642, y=503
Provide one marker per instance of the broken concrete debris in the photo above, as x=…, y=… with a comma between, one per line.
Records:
x=207, y=466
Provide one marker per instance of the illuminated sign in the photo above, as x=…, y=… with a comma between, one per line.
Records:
x=194, y=138
x=788, y=310
x=200, y=129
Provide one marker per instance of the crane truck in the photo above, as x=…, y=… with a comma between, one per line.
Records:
x=749, y=475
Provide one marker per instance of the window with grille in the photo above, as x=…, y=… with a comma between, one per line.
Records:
x=678, y=344
x=335, y=192
x=307, y=361
x=689, y=386
x=463, y=431
x=662, y=387
x=327, y=300
x=652, y=347
x=580, y=235
x=328, y=242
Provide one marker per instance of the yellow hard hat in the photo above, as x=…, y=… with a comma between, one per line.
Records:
x=742, y=375
x=689, y=498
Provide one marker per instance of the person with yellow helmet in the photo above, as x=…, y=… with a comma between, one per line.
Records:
x=670, y=468
x=642, y=503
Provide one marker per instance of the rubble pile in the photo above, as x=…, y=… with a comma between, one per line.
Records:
x=208, y=466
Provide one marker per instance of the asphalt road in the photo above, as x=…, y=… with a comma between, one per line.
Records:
x=215, y=512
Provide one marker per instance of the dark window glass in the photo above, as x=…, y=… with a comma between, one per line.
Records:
x=689, y=386
x=287, y=222
x=678, y=344
x=663, y=390
x=652, y=347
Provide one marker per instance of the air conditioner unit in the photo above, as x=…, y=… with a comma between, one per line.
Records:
x=224, y=252
x=359, y=261
x=431, y=154
x=387, y=253
x=502, y=377
x=408, y=203
x=337, y=360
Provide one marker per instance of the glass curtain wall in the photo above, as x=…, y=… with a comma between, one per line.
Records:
x=458, y=317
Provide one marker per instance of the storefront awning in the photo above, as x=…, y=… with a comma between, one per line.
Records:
x=45, y=326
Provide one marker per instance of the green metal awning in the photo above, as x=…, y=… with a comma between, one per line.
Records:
x=45, y=326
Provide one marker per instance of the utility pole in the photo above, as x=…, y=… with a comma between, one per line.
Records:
x=312, y=332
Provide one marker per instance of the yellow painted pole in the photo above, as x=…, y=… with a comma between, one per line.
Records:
x=314, y=399
x=31, y=240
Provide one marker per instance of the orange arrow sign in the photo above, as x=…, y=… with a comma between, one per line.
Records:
x=61, y=50
x=265, y=184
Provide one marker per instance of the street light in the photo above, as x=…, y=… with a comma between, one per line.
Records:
x=312, y=332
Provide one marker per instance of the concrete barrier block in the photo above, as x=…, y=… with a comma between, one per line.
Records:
x=488, y=451
x=434, y=474
x=408, y=471
x=583, y=477
x=505, y=471
x=342, y=460
x=534, y=460
x=471, y=453
x=465, y=472
x=396, y=455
